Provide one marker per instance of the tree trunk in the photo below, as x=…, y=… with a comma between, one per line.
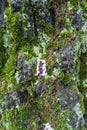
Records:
x=43, y=53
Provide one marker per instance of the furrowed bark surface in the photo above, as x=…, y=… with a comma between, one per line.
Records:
x=43, y=65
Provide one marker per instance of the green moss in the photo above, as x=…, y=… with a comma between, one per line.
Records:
x=46, y=104
x=62, y=120
x=3, y=55
x=83, y=77
x=56, y=44
x=47, y=28
x=84, y=4
x=57, y=116
x=21, y=116
x=74, y=2
x=67, y=78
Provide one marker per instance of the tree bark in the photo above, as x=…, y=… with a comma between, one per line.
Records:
x=43, y=73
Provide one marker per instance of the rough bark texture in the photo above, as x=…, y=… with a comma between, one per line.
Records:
x=43, y=65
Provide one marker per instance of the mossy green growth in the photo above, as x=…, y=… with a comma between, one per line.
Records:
x=16, y=24
x=57, y=116
x=24, y=118
x=67, y=78
x=3, y=55
x=50, y=110
x=45, y=106
x=84, y=4
x=19, y=43
x=47, y=27
x=56, y=44
x=83, y=79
